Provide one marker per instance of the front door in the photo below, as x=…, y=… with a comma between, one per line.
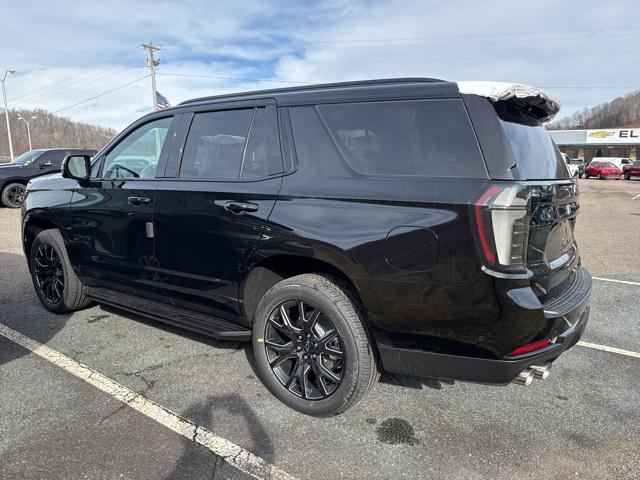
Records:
x=209, y=218
x=111, y=235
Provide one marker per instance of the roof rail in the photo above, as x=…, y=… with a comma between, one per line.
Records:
x=320, y=86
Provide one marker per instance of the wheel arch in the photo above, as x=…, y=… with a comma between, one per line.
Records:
x=271, y=270
x=32, y=226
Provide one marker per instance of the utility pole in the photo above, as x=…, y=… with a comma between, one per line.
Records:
x=6, y=109
x=26, y=122
x=153, y=64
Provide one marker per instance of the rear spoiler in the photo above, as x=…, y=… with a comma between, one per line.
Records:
x=535, y=102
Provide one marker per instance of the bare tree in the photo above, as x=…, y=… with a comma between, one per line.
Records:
x=49, y=131
x=619, y=113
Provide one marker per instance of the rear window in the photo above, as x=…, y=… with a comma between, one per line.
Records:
x=537, y=156
x=426, y=138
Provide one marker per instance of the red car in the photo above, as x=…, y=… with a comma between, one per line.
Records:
x=602, y=170
x=631, y=170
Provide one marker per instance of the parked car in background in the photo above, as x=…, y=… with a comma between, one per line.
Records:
x=573, y=169
x=617, y=161
x=603, y=169
x=578, y=162
x=419, y=226
x=631, y=170
x=34, y=163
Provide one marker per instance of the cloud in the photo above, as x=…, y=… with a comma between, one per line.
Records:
x=67, y=52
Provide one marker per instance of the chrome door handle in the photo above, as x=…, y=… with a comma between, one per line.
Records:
x=138, y=201
x=241, y=207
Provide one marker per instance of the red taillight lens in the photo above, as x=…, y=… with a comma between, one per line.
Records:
x=531, y=347
x=501, y=218
x=485, y=243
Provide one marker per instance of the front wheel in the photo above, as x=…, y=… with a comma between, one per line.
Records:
x=13, y=195
x=600, y=176
x=311, y=345
x=627, y=176
x=54, y=280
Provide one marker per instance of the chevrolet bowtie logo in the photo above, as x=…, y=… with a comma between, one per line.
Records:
x=601, y=134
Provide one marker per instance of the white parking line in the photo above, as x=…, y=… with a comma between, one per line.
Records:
x=604, y=348
x=613, y=280
x=637, y=196
x=233, y=454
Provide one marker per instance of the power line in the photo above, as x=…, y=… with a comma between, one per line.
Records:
x=453, y=59
x=592, y=31
x=100, y=94
x=232, y=78
x=88, y=71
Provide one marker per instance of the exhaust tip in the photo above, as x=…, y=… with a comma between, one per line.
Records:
x=524, y=378
x=541, y=372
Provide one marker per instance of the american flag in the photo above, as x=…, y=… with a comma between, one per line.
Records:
x=161, y=101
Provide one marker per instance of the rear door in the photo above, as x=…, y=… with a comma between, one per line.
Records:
x=213, y=203
x=111, y=235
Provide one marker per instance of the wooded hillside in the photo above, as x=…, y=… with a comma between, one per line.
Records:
x=48, y=131
x=618, y=113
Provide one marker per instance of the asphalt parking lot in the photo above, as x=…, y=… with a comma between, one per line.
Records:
x=582, y=422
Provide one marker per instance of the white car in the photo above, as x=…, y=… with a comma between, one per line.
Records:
x=574, y=170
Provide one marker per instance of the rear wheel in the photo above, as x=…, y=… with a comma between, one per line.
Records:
x=600, y=176
x=54, y=280
x=311, y=345
x=13, y=195
x=627, y=176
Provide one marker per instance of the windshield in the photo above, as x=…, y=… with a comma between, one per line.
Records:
x=537, y=156
x=28, y=157
x=606, y=164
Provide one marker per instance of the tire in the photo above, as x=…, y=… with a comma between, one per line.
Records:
x=586, y=175
x=13, y=195
x=600, y=177
x=627, y=176
x=68, y=297
x=340, y=310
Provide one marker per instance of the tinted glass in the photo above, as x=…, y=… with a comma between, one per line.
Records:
x=137, y=155
x=431, y=138
x=537, y=156
x=27, y=157
x=262, y=155
x=215, y=145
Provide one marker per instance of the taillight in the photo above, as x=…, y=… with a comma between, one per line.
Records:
x=501, y=215
x=531, y=347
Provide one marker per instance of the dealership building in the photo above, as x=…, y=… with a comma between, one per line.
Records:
x=605, y=142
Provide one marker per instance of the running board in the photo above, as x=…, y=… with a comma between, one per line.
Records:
x=194, y=321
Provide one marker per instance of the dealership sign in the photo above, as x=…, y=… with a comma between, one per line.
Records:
x=614, y=135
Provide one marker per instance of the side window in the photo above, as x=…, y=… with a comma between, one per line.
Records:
x=262, y=155
x=215, y=144
x=431, y=138
x=57, y=157
x=137, y=155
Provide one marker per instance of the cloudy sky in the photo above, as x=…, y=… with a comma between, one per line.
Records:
x=68, y=52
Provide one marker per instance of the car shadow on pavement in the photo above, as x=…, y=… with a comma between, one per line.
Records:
x=414, y=382
x=20, y=308
x=183, y=332
x=220, y=409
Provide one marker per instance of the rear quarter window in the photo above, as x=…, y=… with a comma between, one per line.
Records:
x=536, y=155
x=422, y=138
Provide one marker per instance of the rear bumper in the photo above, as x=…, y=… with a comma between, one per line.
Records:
x=421, y=363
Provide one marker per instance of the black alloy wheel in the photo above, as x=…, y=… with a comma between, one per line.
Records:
x=304, y=350
x=49, y=273
x=15, y=194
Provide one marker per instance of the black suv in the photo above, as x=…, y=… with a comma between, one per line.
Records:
x=415, y=226
x=34, y=163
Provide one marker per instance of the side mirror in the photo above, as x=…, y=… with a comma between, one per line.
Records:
x=77, y=167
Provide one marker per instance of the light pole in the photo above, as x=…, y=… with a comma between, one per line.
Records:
x=6, y=110
x=26, y=122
